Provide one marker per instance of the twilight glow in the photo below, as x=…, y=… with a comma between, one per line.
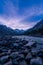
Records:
x=20, y=14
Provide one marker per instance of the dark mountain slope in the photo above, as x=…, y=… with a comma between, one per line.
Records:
x=6, y=30
x=39, y=25
x=37, y=30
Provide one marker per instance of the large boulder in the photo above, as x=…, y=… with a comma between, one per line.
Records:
x=36, y=61
x=14, y=55
x=4, y=59
x=28, y=58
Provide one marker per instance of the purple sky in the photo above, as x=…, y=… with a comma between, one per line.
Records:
x=21, y=14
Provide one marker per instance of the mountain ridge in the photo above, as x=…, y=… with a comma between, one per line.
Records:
x=4, y=30
x=37, y=30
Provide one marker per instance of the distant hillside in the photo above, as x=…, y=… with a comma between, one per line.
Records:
x=19, y=32
x=39, y=25
x=37, y=30
x=4, y=30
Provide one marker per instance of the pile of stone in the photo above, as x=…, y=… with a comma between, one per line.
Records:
x=14, y=51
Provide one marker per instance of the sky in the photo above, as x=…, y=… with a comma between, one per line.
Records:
x=21, y=14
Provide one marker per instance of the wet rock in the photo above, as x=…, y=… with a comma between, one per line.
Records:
x=14, y=55
x=15, y=45
x=9, y=51
x=2, y=54
x=40, y=54
x=24, y=42
x=30, y=44
x=8, y=63
x=20, y=52
x=25, y=52
x=5, y=50
x=36, y=61
x=14, y=62
x=28, y=58
x=20, y=44
x=20, y=57
x=23, y=62
x=34, y=50
x=3, y=43
x=4, y=59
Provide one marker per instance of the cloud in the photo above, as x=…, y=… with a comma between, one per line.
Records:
x=21, y=14
x=11, y=23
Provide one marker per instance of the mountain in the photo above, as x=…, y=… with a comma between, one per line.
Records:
x=19, y=32
x=4, y=30
x=37, y=30
x=39, y=25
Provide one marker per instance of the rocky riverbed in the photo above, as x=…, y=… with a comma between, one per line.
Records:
x=20, y=51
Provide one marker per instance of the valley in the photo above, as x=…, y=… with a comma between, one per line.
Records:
x=21, y=50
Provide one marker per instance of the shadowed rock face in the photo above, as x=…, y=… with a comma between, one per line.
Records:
x=39, y=25
x=37, y=30
x=20, y=53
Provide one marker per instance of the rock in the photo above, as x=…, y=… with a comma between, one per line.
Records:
x=5, y=50
x=15, y=40
x=40, y=54
x=15, y=45
x=9, y=51
x=28, y=58
x=24, y=42
x=15, y=51
x=8, y=63
x=14, y=62
x=30, y=44
x=34, y=50
x=20, y=44
x=25, y=52
x=4, y=59
x=21, y=51
x=3, y=43
x=2, y=54
x=14, y=55
x=36, y=61
x=23, y=62
x=20, y=57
